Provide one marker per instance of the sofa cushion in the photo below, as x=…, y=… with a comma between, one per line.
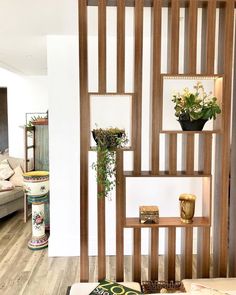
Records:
x=5, y=170
x=9, y=196
x=17, y=178
x=222, y=284
x=6, y=186
x=197, y=289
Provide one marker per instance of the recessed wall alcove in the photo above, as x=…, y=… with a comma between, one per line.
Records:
x=133, y=47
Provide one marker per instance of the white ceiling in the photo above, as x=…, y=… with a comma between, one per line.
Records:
x=24, y=25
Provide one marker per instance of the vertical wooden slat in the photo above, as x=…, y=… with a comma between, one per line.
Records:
x=102, y=46
x=120, y=215
x=188, y=153
x=120, y=46
x=156, y=86
x=188, y=140
x=138, y=58
x=232, y=219
x=153, y=258
x=203, y=243
x=220, y=250
x=101, y=219
x=203, y=257
x=102, y=89
x=84, y=141
x=137, y=255
x=208, y=43
x=187, y=248
x=191, y=38
x=174, y=38
x=170, y=235
x=173, y=153
x=205, y=149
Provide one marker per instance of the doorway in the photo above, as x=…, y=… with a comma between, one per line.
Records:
x=3, y=120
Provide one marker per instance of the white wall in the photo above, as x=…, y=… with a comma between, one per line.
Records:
x=64, y=132
x=25, y=94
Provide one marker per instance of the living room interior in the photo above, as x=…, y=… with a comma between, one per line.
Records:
x=126, y=65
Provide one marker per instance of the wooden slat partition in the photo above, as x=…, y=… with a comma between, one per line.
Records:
x=153, y=258
x=224, y=58
x=137, y=255
x=84, y=141
x=102, y=89
x=120, y=215
x=120, y=46
x=138, y=57
x=156, y=121
x=220, y=250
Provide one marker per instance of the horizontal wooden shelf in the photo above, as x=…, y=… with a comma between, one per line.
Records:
x=190, y=132
x=129, y=149
x=149, y=3
x=165, y=174
x=169, y=222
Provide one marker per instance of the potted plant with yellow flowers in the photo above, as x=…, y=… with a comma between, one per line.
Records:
x=194, y=108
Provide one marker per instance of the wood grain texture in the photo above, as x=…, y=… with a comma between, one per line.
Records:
x=232, y=220
x=205, y=153
x=203, y=259
x=170, y=256
x=174, y=37
x=153, y=254
x=84, y=140
x=223, y=149
x=120, y=214
x=168, y=222
x=120, y=46
x=101, y=221
x=156, y=102
x=191, y=38
x=137, y=255
x=190, y=154
x=102, y=46
x=208, y=30
x=186, y=253
x=171, y=147
x=138, y=62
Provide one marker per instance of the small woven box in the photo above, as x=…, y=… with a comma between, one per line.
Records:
x=149, y=214
x=149, y=287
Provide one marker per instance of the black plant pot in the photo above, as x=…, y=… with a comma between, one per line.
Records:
x=108, y=140
x=196, y=125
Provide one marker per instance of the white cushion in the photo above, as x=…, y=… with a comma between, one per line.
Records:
x=5, y=186
x=222, y=284
x=17, y=178
x=5, y=170
x=86, y=288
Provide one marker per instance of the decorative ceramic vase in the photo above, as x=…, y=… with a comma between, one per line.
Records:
x=187, y=207
x=37, y=187
x=196, y=125
x=36, y=183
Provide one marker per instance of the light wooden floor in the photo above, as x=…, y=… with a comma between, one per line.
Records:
x=27, y=272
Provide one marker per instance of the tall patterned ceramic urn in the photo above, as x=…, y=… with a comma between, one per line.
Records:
x=37, y=188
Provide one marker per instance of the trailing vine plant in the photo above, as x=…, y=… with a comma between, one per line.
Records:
x=107, y=140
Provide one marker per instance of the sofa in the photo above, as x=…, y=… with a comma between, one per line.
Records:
x=12, y=199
